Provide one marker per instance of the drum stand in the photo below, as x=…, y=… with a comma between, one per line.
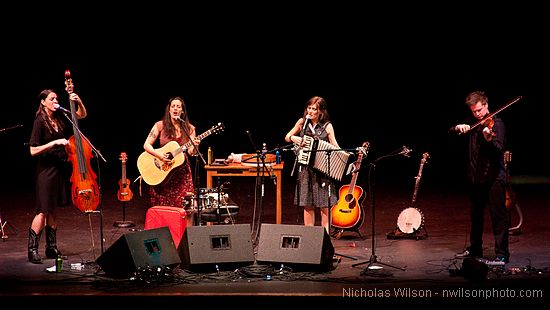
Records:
x=373, y=259
x=220, y=191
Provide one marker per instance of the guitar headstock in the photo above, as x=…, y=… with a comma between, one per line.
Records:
x=425, y=157
x=364, y=149
x=123, y=157
x=217, y=128
x=69, y=87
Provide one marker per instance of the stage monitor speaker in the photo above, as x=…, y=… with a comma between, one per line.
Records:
x=300, y=247
x=148, y=248
x=209, y=248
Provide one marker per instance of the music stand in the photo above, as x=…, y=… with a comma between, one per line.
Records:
x=373, y=258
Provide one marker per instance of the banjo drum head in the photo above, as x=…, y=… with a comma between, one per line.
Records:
x=410, y=220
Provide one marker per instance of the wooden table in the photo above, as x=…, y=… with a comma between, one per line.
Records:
x=240, y=170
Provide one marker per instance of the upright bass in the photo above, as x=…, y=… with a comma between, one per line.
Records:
x=84, y=189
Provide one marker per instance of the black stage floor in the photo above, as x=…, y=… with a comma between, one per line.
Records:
x=421, y=270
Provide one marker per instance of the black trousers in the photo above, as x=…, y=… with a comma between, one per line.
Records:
x=491, y=196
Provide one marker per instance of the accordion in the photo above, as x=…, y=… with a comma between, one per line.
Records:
x=316, y=153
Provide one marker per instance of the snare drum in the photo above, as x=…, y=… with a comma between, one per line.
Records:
x=212, y=200
x=190, y=203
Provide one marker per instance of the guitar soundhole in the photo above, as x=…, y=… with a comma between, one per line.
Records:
x=351, y=201
x=157, y=164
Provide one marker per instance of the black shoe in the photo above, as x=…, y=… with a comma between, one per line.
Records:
x=467, y=254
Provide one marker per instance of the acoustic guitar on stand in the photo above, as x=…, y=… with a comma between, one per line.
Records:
x=347, y=212
x=124, y=191
x=154, y=171
x=511, y=199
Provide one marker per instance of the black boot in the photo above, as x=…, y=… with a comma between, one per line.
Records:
x=51, y=243
x=34, y=238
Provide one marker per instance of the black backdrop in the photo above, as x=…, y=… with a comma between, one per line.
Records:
x=393, y=82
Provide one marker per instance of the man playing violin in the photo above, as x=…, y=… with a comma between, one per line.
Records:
x=486, y=175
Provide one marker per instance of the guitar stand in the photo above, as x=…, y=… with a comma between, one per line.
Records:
x=415, y=235
x=338, y=232
x=124, y=223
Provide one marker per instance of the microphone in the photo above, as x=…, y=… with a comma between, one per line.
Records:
x=58, y=107
x=405, y=151
x=308, y=118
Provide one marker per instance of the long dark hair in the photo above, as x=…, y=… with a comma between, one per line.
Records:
x=55, y=117
x=167, y=120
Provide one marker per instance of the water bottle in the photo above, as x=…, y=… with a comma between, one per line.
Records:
x=210, y=156
x=59, y=263
x=277, y=157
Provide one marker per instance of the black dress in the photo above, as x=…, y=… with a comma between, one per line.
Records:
x=53, y=170
x=312, y=186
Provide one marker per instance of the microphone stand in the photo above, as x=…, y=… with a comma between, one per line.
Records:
x=85, y=138
x=373, y=259
x=4, y=222
x=197, y=192
x=259, y=189
x=10, y=128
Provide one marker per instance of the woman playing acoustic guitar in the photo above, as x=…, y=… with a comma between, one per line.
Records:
x=174, y=126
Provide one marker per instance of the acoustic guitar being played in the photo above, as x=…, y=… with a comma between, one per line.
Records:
x=124, y=191
x=154, y=171
x=347, y=212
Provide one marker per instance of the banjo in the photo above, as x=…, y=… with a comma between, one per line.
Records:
x=411, y=219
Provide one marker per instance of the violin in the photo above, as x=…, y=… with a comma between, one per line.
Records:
x=84, y=189
x=488, y=121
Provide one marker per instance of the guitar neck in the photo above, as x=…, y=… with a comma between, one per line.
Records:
x=417, y=183
x=124, y=174
x=184, y=147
